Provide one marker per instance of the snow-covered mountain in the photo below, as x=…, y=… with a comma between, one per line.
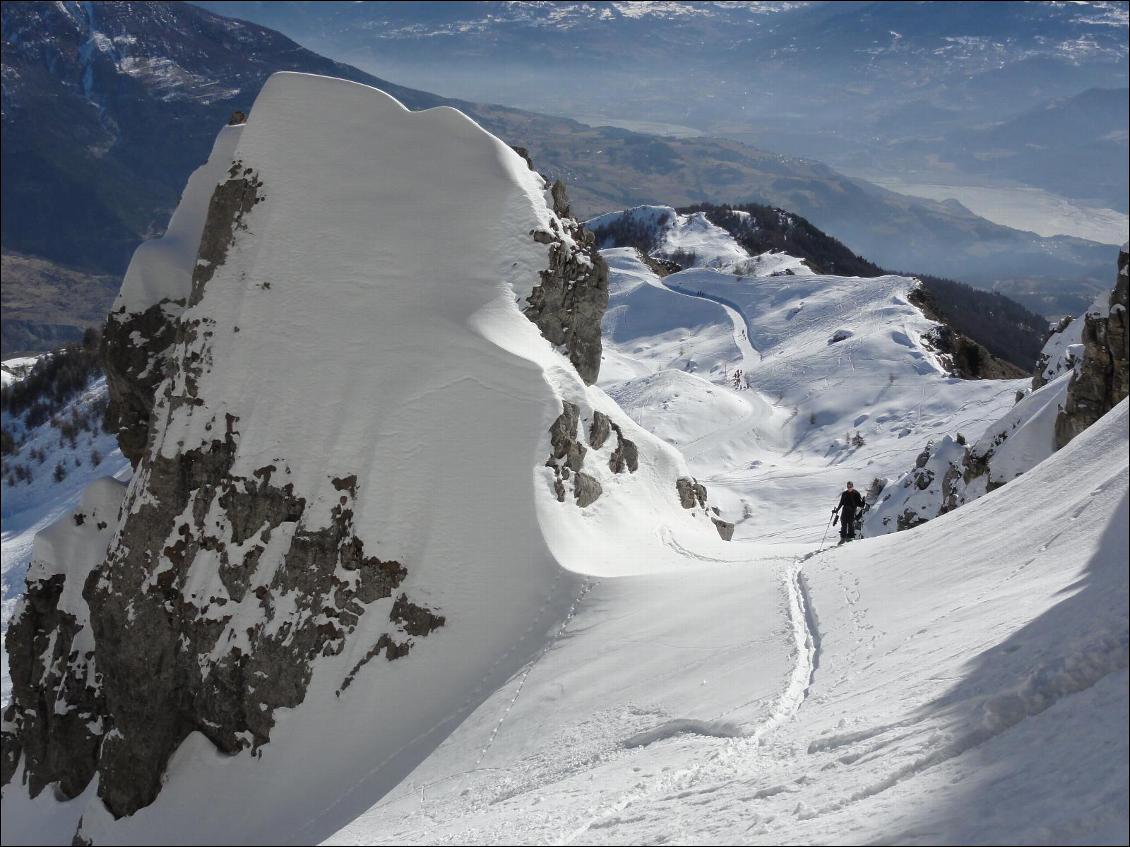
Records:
x=336, y=553
x=417, y=545
x=108, y=107
x=779, y=388
x=984, y=334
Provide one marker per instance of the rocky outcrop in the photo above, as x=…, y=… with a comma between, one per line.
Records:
x=57, y=716
x=725, y=528
x=626, y=456
x=692, y=495
x=691, y=492
x=600, y=430
x=58, y=746
x=963, y=357
x=135, y=351
x=1100, y=381
x=570, y=300
x=176, y=655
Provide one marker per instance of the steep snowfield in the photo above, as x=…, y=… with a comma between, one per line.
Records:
x=412, y=368
x=964, y=682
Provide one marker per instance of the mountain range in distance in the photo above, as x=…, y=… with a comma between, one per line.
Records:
x=107, y=108
x=977, y=91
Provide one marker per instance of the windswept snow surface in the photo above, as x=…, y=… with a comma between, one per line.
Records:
x=962, y=682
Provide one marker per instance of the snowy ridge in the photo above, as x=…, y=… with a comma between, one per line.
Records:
x=423, y=448
x=778, y=389
x=161, y=269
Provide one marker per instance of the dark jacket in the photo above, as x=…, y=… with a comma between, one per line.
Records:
x=850, y=500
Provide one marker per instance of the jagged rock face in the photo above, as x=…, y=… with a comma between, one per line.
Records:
x=57, y=747
x=567, y=458
x=135, y=348
x=219, y=663
x=1100, y=381
x=568, y=304
x=57, y=716
x=692, y=494
x=241, y=576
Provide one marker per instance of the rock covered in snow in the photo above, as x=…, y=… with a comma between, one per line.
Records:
x=1100, y=381
x=51, y=648
x=1059, y=352
x=140, y=331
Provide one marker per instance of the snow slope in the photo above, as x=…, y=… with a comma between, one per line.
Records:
x=837, y=382
x=948, y=474
x=342, y=342
x=964, y=682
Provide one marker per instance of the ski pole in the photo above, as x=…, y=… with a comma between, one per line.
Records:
x=828, y=527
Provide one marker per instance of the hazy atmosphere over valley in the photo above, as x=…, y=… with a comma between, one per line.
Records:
x=564, y=422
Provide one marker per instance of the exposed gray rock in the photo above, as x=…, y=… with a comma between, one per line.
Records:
x=135, y=348
x=600, y=430
x=567, y=456
x=691, y=492
x=725, y=528
x=586, y=490
x=908, y=520
x=626, y=455
x=569, y=303
x=167, y=658
x=58, y=745
x=563, y=438
x=1100, y=381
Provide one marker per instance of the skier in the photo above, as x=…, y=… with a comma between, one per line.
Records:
x=850, y=501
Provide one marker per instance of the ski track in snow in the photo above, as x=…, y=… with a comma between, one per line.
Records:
x=586, y=586
x=739, y=757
